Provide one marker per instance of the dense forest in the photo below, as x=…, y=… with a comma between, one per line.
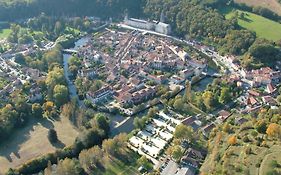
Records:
x=10, y=10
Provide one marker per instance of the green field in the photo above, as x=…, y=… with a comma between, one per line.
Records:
x=263, y=27
x=4, y=33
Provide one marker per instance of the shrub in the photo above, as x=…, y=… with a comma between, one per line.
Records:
x=246, y=139
x=52, y=136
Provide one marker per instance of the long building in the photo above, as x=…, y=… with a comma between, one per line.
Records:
x=156, y=26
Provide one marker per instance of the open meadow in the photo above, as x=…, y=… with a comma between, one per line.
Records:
x=4, y=33
x=264, y=28
x=31, y=141
x=273, y=5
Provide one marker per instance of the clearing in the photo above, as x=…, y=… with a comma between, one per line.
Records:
x=4, y=33
x=264, y=28
x=31, y=141
x=273, y=5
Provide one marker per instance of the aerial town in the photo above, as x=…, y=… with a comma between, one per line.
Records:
x=137, y=96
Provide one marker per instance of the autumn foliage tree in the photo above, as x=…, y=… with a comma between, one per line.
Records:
x=232, y=140
x=273, y=130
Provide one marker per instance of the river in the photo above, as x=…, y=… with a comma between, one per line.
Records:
x=71, y=87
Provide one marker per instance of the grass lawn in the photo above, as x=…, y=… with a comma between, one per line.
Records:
x=4, y=33
x=266, y=165
x=273, y=5
x=114, y=166
x=265, y=28
x=31, y=141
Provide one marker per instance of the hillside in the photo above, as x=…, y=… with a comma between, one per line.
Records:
x=256, y=23
x=244, y=149
x=273, y=5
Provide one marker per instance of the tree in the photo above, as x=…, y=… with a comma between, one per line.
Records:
x=208, y=100
x=37, y=110
x=54, y=77
x=60, y=95
x=52, y=136
x=115, y=146
x=273, y=130
x=139, y=123
x=89, y=159
x=19, y=58
x=48, y=170
x=226, y=128
x=232, y=140
x=248, y=150
x=279, y=99
x=101, y=122
x=261, y=126
x=183, y=132
x=152, y=112
x=143, y=161
x=178, y=104
x=69, y=166
x=58, y=28
x=176, y=152
x=225, y=95
x=188, y=95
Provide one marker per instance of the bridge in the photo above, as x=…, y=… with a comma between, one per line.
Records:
x=215, y=75
x=69, y=51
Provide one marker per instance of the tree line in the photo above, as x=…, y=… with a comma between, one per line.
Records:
x=107, y=8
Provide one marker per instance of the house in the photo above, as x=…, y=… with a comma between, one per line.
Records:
x=270, y=88
x=223, y=115
x=195, y=154
x=186, y=160
x=189, y=120
x=254, y=93
x=268, y=100
x=143, y=94
x=185, y=171
x=207, y=129
x=187, y=73
x=251, y=101
x=88, y=73
x=176, y=79
x=99, y=95
x=240, y=120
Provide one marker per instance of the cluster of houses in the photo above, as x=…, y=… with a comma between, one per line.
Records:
x=16, y=75
x=129, y=60
x=156, y=136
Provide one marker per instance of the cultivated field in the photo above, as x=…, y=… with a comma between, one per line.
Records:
x=273, y=5
x=265, y=28
x=31, y=141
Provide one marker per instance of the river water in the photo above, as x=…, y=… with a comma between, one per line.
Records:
x=71, y=87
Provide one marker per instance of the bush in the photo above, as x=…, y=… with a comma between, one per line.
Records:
x=246, y=139
x=52, y=136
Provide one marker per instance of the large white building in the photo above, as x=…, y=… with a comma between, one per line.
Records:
x=156, y=26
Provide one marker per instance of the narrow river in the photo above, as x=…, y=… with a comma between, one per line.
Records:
x=71, y=87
